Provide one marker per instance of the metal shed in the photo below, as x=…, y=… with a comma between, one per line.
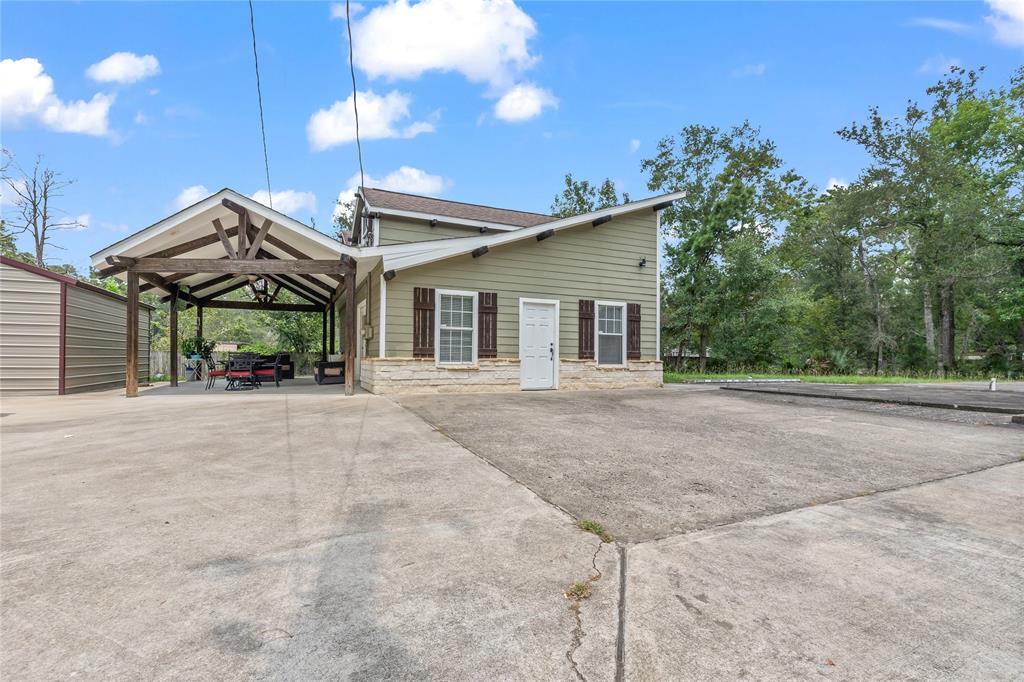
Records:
x=60, y=335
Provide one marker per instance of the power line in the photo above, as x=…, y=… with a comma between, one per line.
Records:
x=259, y=96
x=355, y=105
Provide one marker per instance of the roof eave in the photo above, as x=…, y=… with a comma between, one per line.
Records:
x=419, y=254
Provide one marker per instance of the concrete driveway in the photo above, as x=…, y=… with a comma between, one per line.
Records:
x=277, y=536
x=651, y=464
x=766, y=540
x=299, y=535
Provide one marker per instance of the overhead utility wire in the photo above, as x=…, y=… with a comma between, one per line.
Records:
x=355, y=105
x=259, y=96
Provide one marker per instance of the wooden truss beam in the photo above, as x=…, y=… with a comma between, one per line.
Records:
x=255, y=305
x=171, y=252
x=241, y=267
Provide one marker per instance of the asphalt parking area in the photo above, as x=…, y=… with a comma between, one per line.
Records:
x=656, y=463
x=1007, y=399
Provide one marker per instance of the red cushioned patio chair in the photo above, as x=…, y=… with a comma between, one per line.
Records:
x=265, y=371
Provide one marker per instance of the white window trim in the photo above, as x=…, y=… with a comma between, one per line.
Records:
x=657, y=308
x=597, y=327
x=558, y=333
x=437, y=325
x=382, y=323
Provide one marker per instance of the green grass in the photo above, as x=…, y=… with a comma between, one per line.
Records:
x=680, y=377
x=595, y=528
x=579, y=590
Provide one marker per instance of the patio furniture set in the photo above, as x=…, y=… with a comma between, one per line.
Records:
x=247, y=371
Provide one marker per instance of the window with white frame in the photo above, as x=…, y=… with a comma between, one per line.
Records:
x=456, y=327
x=611, y=333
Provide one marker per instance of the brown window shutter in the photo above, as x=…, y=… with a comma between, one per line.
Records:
x=422, y=323
x=586, y=331
x=487, y=319
x=633, y=331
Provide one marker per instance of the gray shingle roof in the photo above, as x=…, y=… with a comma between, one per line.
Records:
x=385, y=199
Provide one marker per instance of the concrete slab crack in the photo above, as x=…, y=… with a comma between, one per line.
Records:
x=577, y=640
x=578, y=633
x=620, y=639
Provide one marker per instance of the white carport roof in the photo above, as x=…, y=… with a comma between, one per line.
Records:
x=190, y=233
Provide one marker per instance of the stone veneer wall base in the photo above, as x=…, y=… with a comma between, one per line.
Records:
x=419, y=375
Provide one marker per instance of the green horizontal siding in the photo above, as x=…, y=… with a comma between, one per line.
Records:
x=579, y=263
x=369, y=291
x=404, y=231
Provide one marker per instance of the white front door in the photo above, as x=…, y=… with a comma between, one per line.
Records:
x=538, y=344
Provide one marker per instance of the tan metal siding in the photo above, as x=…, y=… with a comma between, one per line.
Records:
x=583, y=262
x=399, y=231
x=94, y=342
x=29, y=332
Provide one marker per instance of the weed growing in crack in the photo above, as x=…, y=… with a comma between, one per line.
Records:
x=579, y=590
x=596, y=528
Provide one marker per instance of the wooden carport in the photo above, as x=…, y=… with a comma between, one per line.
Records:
x=228, y=242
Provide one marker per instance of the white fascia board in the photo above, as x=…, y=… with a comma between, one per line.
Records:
x=446, y=220
x=131, y=241
x=212, y=201
x=407, y=258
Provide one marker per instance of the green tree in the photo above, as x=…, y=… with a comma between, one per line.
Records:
x=735, y=185
x=952, y=173
x=580, y=196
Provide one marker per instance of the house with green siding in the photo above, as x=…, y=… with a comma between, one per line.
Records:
x=462, y=297
x=425, y=294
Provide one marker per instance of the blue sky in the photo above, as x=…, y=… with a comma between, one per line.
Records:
x=488, y=104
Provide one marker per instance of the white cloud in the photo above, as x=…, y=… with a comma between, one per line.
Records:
x=523, y=102
x=338, y=9
x=26, y=94
x=83, y=222
x=8, y=194
x=939, y=24
x=288, y=201
x=405, y=179
x=484, y=40
x=1007, y=21
x=190, y=195
x=379, y=117
x=124, y=67
x=938, y=64
x=750, y=70
x=836, y=183
x=141, y=118
x=634, y=145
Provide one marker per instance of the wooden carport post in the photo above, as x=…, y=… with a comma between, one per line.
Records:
x=199, y=321
x=350, y=324
x=323, y=335
x=173, y=333
x=131, y=365
x=333, y=332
